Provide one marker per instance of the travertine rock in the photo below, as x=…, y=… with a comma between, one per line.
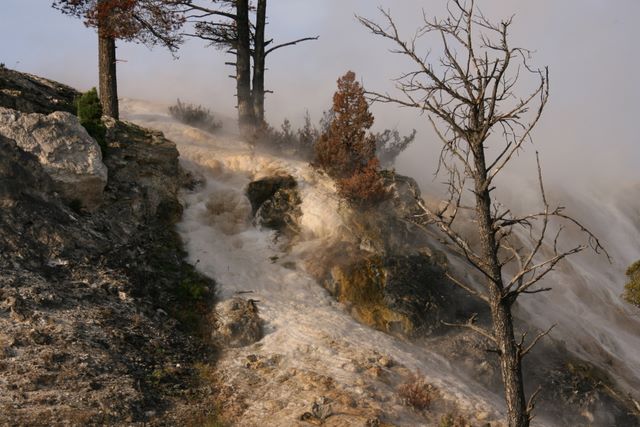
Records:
x=65, y=150
x=237, y=323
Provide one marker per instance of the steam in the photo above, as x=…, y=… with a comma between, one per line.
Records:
x=303, y=323
x=586, y=300
x=587, y=138
x=592, y=320
x=587, y=134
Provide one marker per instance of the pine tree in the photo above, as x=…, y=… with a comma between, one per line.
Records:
x=145, y=21
x=346, y=150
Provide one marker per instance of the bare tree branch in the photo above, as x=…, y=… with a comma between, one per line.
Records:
x=291, y=43
x=470, y=97
x=527, y=349
x=470, y=324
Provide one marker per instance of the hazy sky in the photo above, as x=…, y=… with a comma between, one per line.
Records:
x=590, y=46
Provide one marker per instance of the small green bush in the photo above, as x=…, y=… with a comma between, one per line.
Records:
x=632, y=288
x=90, y=115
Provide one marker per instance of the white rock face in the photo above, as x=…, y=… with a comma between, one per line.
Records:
x=64, y=148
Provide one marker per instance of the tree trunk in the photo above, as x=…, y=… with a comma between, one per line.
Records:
x=510, y=358
x=259, y=62
x=510, y=364
x=246, y=119
x=108, y=84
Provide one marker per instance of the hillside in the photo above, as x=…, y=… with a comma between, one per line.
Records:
x=374, y=268
x=98, y=321
x=111, y=258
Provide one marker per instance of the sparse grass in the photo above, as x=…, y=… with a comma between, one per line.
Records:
x=206, y=420
x=204, y=374
x=632, y=288
x=417, y=393
x=192, y=287
x=586, y=376
x=193, y=299
x=195, y=115
x=191, y=293
x=454, y=420
x=158, y=376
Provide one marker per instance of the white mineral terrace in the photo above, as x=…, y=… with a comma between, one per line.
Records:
x=313, y=333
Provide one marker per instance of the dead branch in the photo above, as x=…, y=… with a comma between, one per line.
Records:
x=291, y=43
x=466, y=287
x=527, y=349
x=470, y=324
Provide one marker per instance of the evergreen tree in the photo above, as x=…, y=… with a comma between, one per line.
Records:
x=346, y=150
x=145, y=21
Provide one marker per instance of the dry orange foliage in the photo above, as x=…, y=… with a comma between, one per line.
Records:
x=346, y=151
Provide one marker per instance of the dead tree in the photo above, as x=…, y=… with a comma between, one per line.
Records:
x=150, y=22
x=243, y=64
x=469, y=95
x=227, y=24
x=259, y=61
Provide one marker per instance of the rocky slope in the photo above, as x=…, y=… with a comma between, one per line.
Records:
x=102, y=322
x=314, y=364
x=99, y=316
x=390, y=274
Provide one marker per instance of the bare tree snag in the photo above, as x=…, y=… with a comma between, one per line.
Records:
x=246, y=118
x=470, y=98
x=259, y=62
x=222, y=23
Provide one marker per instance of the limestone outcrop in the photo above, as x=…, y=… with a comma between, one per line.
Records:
x=237, y=323
x=34, y=94
x=275, y=203
x=65, y=150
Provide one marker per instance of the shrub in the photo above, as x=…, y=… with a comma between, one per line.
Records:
x=451, y=420
x=307, y=137
x=365, y=187
x=417, y=393
x=195, y=115
x=632, y=288
x=297, y=143
x=283, y=140
x=90, y=116
x=345, y=150
x=389, y=144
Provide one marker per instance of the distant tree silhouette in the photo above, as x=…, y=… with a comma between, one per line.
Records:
x=389, y=145
x=150, y=22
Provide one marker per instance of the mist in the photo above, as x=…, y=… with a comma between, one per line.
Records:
x=587, y=134
x=588, y=145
